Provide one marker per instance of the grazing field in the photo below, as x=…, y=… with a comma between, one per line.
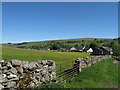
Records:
x=103, y=74
x=33, y=55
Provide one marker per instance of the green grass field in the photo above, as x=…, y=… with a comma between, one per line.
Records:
x=10, y=53
x=103, y=74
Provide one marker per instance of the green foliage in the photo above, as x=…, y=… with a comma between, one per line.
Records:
x=116, y=49
x=117, y=58
x=119, y=40
x=57, y=44
x=9, y=43
x=55, y=47
x=94, y=45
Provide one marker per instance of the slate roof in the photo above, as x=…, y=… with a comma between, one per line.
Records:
x=86, y=49
x=69, y=47
x=106, y=48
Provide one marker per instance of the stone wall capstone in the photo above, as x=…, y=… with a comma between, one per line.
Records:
x=24, y=74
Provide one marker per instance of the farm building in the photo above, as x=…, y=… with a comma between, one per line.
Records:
x=97, y=51
x=71, y=49
x=80, y=49
x=102, y=51
x=88, y=50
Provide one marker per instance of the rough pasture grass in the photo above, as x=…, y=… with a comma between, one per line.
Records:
x=103, y=74
x=33, y=55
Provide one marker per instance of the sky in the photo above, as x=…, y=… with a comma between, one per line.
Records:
x=38, y=21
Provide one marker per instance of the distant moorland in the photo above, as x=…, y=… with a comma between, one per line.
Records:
x=61, y=45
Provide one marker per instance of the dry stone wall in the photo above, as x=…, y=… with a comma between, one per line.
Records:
x=85, y=62
x=24, y=74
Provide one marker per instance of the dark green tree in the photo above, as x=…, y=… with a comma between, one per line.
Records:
x=93, y=45
x=55, y=47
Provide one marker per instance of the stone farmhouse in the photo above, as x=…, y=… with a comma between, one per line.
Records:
x=88, y=50
x=71, y=49
x=102, y=51
x=79, y=49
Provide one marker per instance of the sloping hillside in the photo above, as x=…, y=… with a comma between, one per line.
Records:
x=62, y=44
x=33, y=55
x=75, y=39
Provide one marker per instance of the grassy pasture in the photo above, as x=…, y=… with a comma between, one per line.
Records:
x=103, y=74
x=33, y=55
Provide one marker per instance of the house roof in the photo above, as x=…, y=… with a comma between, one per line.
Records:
x=86, y=49
x=79, y=48
x=70, y=47
x=106, y=48
x=99, y=49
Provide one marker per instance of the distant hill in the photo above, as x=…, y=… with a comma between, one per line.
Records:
x=61, y=45
x=74, y=39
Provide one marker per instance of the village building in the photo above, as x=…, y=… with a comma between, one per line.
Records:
x=85, y=49
x=97, y=51
x=80, y=49
x=71, y=49
x=90, y=50
x=102, y=51
x=48, y=49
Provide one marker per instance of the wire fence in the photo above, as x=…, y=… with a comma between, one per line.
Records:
x=66, y=70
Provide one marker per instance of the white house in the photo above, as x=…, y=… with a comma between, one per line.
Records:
x=90, y=50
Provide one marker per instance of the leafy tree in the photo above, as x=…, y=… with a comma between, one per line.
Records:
x=25, y=42
x=9, y=43
x=94, y=45
x=111, y=44
x=116, y=49
x=82, y=45
x=95, y=39
x=83, y=40
x=55, y=47
x=119, y=40
x=76, y=46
